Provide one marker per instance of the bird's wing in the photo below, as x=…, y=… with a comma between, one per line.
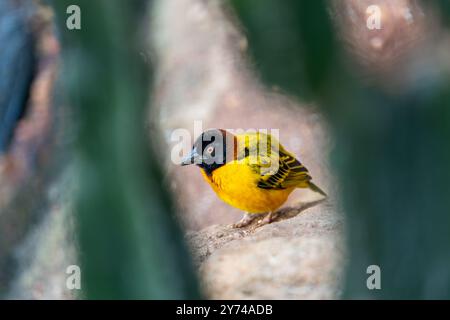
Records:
x=290, y=173
x=276, y=167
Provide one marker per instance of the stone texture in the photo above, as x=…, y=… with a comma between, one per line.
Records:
x=296, y=258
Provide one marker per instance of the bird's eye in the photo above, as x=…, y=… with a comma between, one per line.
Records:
x=210, y=149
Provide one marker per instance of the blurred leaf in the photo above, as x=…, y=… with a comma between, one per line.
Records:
x=293, y=43
x=391, y=154
x=131, y=246
x=444, y=8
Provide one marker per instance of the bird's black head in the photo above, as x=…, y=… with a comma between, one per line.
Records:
x=209, y=151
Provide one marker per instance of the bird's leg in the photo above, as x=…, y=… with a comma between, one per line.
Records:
x=268, y=218
x=247, y=219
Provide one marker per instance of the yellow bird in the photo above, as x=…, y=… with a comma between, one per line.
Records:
x=250, y=171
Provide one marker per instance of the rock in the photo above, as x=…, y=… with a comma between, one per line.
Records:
x=297, y=258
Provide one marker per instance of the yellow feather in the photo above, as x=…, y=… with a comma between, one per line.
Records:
x=237, y=184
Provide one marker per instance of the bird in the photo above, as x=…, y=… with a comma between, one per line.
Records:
x=250, y=171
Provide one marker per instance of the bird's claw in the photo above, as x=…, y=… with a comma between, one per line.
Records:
x=246, y=220
x=269, y=218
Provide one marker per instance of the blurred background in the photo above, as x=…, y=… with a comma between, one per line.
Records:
x=358, y=89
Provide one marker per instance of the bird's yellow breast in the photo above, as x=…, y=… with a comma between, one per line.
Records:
x=236, y=184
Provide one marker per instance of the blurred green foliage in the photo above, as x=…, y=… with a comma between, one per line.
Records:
x=130, y=244
x=444, y=7
x=392, y=151
x=295, y=48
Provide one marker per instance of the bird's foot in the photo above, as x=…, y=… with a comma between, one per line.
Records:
x=246, y=220
x=269, y=218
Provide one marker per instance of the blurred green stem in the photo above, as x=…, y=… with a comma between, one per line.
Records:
x=392, y=152
x=130, y=244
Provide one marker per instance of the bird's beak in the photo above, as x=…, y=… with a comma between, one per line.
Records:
x=191, y=158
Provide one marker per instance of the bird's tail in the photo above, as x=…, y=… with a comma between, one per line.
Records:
x=315, y=188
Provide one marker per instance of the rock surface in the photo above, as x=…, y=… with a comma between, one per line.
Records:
x=297, y=258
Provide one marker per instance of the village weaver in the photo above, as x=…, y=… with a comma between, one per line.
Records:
x=250, y=171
